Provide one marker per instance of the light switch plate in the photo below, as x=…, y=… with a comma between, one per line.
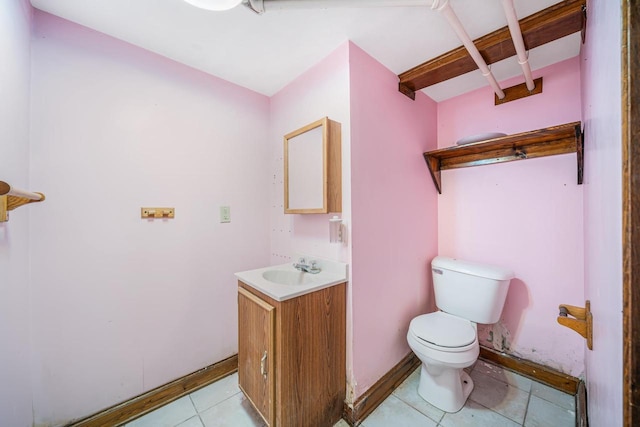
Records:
x=225, y=214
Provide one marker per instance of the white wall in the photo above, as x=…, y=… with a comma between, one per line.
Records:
x=15, y=325
x=601, y=106
x=120, y=304
x=321, y=91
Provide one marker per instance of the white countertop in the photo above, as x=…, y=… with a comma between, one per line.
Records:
x=332, y=273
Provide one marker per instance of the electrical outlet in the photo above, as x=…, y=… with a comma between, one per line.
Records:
x=225, y=214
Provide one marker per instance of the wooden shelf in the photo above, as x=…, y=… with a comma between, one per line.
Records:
x=549, y=141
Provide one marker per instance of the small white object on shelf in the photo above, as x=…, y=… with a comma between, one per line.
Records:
x=479, y=137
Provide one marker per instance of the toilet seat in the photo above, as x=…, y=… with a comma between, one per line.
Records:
x=444, y=332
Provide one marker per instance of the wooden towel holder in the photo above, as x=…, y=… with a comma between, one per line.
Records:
x=582, y=322
x=11, y=198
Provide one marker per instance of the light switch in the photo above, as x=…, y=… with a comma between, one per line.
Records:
x=225, y=214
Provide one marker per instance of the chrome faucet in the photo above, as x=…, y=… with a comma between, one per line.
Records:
x=307, y=268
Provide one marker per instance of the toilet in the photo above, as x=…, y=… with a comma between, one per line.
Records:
x=446, y=341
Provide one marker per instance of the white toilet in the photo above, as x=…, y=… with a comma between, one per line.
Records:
x=447, y=341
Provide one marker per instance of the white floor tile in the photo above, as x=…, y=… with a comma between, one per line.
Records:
x=554, y=396
x=191, y=422
x=408, y=393
x=215, y=393
x=236, y=411
x=542, y=413
x=394, y=412
x=500, y=397
x=503, y=375
x=168, y=416
x=475, y=415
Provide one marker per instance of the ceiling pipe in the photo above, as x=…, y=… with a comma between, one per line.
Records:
x=455, y=23
x=518, y=42
x=261, y=6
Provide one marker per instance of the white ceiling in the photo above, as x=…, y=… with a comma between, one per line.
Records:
x=266, y=52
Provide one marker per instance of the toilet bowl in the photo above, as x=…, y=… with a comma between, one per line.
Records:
x=451, y=346
x=446, y=341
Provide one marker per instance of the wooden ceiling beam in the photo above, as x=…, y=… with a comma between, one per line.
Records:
x=552, y=23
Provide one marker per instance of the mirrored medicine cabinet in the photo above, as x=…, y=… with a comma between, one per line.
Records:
x=313, y=168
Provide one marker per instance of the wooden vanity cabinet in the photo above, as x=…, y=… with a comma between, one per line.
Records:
x=292, y=355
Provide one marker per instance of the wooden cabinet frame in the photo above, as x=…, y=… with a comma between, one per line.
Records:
x=331, y=168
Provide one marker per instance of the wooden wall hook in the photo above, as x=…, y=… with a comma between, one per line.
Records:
x=582, y=321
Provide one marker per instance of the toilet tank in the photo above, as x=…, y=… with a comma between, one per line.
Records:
x=470, y=290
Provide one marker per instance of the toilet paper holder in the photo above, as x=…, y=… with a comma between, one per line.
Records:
x=581, y=320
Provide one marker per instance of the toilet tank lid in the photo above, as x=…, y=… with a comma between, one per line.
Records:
x=472, y=268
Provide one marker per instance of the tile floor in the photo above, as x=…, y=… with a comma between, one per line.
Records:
x=500, y=398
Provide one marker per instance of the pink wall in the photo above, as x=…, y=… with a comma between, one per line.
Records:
x=15, y=324
x=117, y=128
x=603, y=210
x=526, y=215
x=394, y=232
x=388, y=263
x=122, y=305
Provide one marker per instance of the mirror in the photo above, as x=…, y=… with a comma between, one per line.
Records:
x=312, y=168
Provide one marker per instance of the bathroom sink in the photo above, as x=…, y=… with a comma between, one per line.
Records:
x=282, y=282
x=286, y=277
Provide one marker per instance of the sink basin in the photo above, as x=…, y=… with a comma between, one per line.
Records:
x=285, y=277
x=283, y=282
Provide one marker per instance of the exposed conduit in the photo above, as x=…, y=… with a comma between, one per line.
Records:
x=261, y=6
x=518, y=42
x=455, y=23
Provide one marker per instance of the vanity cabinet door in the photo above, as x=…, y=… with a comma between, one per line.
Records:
x=256, y=350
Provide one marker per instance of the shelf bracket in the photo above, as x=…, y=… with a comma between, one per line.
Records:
x=434, y=168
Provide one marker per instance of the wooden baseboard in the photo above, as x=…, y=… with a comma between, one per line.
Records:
x=540, y=373
x=153, y=399
x=378, y=392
